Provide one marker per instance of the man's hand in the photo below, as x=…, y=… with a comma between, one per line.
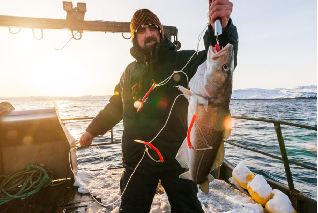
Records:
x=220, y=9
x=86, y=139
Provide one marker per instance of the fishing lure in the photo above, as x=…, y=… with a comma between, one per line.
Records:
x=152, y=146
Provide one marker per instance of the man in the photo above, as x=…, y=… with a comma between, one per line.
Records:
x=156, y=59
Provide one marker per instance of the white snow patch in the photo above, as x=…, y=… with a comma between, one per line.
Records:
x=105, y=185
x=280, y=203
x=240, y=172
x=279, y=93
x=260, y=186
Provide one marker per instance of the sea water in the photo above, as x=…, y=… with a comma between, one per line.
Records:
x=301, y=144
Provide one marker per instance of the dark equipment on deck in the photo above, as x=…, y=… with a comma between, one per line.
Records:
x=35, y=136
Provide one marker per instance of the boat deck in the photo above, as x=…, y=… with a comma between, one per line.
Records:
x=65, y=198
x=62, y=198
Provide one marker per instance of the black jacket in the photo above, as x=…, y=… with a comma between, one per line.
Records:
x=145, y=124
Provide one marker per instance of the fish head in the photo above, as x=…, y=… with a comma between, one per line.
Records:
x=220, y=66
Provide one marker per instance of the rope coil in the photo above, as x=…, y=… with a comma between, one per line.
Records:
x=24, y=183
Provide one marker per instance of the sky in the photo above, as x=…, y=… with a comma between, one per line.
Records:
x=277, y=45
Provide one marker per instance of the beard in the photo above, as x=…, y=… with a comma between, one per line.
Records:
x=150, y=48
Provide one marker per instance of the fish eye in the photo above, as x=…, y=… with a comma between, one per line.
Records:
x=225, y=68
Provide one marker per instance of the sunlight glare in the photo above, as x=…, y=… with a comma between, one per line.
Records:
x=59, y=74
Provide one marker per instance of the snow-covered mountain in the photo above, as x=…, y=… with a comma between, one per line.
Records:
x=254, y=93
x=279, y=93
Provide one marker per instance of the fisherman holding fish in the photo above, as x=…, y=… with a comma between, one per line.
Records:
x=143, y=118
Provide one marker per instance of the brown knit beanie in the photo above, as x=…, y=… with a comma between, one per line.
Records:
x=145, y=17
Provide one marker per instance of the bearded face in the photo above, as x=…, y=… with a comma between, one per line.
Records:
x=147, y=36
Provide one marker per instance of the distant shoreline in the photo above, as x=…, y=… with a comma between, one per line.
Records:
x=274, y=99
x=107, y=97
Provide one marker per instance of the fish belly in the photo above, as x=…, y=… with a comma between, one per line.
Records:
x=206, y=132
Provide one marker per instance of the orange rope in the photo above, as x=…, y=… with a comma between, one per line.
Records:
x=154, y=148
x=189, y=130
x=144, y=98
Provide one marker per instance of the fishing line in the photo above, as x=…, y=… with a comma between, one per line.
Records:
x=146, y=149
x=197, y=51
x=87, y=187
x=165, y=82
x=98, y=146
x=200, y=36
x=66, y=43
x=169, y=78
x=204, y=139
x=202, y=135
x=167, y=118
x=158, y=85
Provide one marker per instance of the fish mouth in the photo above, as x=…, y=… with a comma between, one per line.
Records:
x=224, y=49
x=216, y=56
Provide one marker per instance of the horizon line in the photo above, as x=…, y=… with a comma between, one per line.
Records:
x=62, y=96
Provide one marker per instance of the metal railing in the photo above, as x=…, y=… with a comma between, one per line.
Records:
x=90, y=118
x=284, y=158
x=277, y=126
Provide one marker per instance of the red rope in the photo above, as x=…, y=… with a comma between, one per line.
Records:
x=189, y=130
x=154, y=148
x=144, y=98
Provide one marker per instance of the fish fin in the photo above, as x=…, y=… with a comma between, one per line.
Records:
x=210, y=178
x=185, y=175
x=219, y=157
x=227, y=126
x=206, y=104
x=227, y=133
x=205, y=187
x=186, y=92
x=182, y=155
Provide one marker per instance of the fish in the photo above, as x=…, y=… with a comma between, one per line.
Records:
x=209, y=118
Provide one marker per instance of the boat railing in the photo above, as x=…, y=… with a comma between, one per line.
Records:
x=277, y=126
x=284, y=157
x=90, y=118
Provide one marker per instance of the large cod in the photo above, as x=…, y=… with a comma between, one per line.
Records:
x=209, y=119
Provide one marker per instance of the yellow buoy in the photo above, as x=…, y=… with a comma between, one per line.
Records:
x=242, y=175
x=259, y=190
x=280, y=203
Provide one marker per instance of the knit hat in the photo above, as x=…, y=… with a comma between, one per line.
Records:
x=145, y=17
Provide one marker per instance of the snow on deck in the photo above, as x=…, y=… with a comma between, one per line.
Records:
x=105, y=185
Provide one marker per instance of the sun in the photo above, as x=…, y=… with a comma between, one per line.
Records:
x=59, y=74
x=35, y=68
